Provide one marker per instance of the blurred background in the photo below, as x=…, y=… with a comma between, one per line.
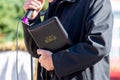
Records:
x=115, y=51
x=19, y=64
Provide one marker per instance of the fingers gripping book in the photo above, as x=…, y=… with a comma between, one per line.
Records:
x=50, y=35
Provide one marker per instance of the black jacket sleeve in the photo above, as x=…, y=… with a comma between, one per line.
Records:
x=29, y=42
x=96, y=45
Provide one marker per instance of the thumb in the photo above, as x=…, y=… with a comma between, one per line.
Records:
x=40, y=51
x=50, y=1
x=42, y=2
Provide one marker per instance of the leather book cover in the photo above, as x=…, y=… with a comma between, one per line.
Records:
x=50, y=35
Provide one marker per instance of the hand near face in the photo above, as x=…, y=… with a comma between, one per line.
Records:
x=45, y=59
x=37, y=5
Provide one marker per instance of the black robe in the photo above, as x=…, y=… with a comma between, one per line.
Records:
x=89, y=26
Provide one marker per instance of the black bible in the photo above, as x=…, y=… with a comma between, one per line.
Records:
x=50, y=35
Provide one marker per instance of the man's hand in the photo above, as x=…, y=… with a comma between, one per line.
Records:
x=45, y=59
x=37, y=5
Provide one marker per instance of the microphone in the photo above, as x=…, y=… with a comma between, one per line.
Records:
x=27, y=16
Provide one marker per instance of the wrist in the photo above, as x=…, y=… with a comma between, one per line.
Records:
x=34, y=16
x=34, y=19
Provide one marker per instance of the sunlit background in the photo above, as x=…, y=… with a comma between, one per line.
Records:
x=19, y=65
x=115, y=51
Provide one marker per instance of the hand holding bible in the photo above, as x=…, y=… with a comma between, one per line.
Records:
x=45, y=59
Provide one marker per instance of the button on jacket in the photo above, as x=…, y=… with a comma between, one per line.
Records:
x=89, y=27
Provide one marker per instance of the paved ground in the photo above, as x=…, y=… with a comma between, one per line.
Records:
x=8, y=70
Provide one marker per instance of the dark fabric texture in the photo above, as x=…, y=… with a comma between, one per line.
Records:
x=89, y=27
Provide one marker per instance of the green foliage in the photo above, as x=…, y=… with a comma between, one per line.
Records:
x=46, y=5
x=11, y=11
